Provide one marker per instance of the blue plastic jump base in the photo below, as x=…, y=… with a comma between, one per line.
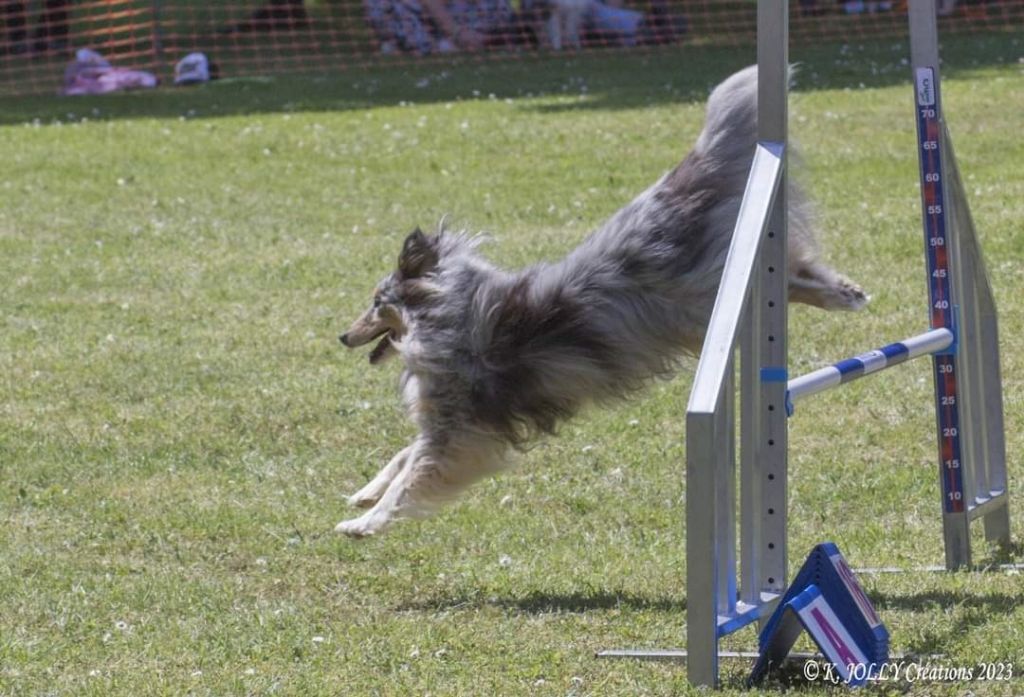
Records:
x=827, y=602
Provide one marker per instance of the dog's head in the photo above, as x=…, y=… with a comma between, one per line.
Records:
x=387, y=319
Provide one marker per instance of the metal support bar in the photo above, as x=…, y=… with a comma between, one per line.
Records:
x=713, y=606
x=984, y=506
x=983, y=345
x=751, y=434
x=932, y=568
x=766, y=174
x=702, y=581
x=710, y=454
x=680, y=655
x=771, y=470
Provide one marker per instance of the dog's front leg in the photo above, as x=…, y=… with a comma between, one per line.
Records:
x=394, y=502
x=432, y=475
x=371, y=493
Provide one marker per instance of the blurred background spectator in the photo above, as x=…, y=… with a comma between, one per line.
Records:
x=50, y=32
x=272, y=15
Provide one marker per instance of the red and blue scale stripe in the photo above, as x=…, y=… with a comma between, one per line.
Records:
x=942, y=309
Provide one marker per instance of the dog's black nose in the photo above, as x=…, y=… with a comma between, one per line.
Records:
x=344, y=339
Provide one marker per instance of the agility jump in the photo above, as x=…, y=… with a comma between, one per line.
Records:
x=962, y=339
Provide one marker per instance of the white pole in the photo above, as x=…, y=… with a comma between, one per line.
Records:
x=867, y=363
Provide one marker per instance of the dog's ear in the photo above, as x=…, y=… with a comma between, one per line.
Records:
x=419, y=255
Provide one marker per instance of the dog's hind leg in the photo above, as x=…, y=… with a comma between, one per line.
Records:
x=371, y=493
x=814, y=283
x=432, y=475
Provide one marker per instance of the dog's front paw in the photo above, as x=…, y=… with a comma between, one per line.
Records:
x=361, y=500
x=363, y=526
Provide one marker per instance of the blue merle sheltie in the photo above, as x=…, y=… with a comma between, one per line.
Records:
x=493, y=358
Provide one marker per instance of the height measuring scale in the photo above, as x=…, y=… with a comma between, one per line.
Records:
x=943, y=309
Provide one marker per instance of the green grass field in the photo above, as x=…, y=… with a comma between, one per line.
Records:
x=179, y=425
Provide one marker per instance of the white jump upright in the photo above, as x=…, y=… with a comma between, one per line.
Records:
x=725, y=590
x=718, y=601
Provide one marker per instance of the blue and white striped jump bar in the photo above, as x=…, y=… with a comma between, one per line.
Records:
x=820, y=380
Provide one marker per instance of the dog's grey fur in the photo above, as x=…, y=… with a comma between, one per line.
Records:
x=494, y=358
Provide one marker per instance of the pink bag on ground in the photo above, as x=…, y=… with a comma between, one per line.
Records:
x=91, y=73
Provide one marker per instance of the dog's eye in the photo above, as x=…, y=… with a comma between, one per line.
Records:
x=377, y=302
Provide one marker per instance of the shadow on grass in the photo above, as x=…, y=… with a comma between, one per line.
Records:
x=597, y=80
x=974, y=610
x=1009, y=554
x=540, y=603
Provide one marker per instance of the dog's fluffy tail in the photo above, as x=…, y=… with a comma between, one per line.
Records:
x=730, y=128
x=731, y=112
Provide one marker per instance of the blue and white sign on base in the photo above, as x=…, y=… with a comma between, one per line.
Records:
x=827, y=602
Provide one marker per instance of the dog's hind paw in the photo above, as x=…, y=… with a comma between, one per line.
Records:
x=852, y=296
x=363, y=526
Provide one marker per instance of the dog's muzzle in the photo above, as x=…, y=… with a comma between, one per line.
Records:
x=379, y=351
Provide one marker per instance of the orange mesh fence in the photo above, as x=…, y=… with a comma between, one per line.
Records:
x=39, y=40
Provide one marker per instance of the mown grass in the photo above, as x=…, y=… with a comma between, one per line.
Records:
x=179, y=426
